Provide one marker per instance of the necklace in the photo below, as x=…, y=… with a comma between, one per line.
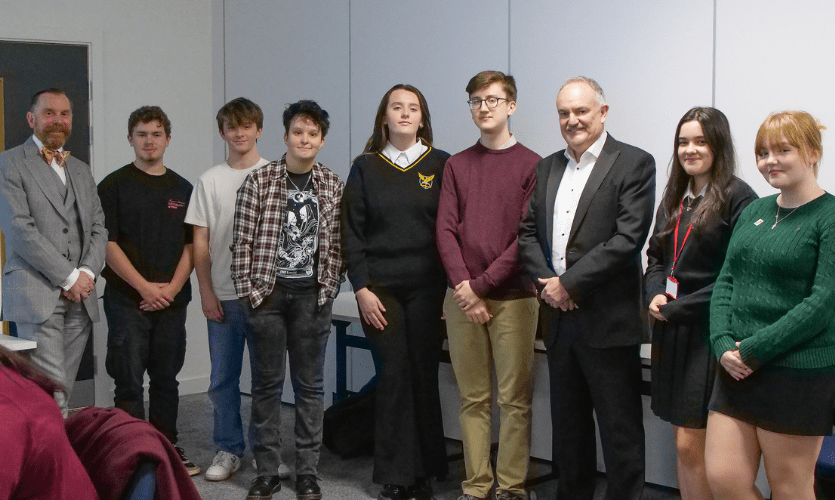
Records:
x=297, y=187
x=777, y=218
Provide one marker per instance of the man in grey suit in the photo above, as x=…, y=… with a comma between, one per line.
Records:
x=55, y=241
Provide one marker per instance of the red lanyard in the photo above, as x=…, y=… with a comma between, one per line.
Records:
x=677, y=252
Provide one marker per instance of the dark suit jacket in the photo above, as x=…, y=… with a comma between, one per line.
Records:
x=603, y=268
x=34, y=221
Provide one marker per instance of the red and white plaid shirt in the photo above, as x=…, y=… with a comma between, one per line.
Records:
x=259, y=215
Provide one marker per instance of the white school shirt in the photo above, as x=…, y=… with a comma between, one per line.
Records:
x=404, y=158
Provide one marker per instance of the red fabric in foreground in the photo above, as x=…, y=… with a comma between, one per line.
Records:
x=38, y=462
x=110, y=443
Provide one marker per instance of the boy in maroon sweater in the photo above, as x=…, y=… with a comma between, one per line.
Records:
x=491, y=310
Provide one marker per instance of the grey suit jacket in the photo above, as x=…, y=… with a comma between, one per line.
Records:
x=33, y=220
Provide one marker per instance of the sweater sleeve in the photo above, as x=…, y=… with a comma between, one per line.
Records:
x=507, y=263
x=449, y=219
x=721, y=338
x=354, y=212
x=806, y=319
x=654, y=276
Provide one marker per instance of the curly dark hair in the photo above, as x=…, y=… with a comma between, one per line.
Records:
x=147, y=114
x=309, y=109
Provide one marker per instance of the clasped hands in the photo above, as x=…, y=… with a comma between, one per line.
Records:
x=81, y=289
x=732, y=362
x=156, y=296
x=555, y=295
x=473, y=306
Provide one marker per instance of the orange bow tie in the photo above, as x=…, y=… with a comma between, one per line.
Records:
x=59, y=156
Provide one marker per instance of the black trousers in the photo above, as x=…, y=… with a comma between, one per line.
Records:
x=138, y=341
x=607, y=381
x=408, y=435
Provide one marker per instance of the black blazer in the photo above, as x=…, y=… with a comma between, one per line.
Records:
x=603, y=268
x=698, y=264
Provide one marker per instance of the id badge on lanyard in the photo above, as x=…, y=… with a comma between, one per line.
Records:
x=672, y=288
x=672, y=283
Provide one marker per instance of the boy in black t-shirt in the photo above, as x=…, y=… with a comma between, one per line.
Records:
x=149, y=260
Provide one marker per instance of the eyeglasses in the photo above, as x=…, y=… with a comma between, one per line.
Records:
x=491, y=102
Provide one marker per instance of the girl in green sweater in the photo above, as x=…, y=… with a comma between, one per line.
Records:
x=771, y=324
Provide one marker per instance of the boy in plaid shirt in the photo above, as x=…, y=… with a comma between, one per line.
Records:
x=287, y=265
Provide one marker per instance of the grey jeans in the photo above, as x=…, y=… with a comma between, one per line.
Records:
x=288, y=323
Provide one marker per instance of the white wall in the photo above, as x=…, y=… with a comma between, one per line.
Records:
x=154, y=52
x=772, y=58
x=655, y=60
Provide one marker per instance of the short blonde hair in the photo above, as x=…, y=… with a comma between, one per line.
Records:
x=800, y=129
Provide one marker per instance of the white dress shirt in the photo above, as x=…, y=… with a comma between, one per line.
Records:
x=404, y=158
x=568, y=197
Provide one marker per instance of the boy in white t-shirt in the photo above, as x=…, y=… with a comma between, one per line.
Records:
x=212, y=212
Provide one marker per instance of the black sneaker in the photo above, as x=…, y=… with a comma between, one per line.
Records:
x=392, y=492
x=306, y=487
x=263, y=488
x=421, y=490
x=190, y=466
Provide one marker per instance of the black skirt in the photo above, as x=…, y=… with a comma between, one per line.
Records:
x=683, y=372
x=778, y=399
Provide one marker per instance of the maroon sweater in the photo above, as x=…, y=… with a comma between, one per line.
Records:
x=484, y=196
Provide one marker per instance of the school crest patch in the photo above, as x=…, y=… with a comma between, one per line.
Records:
x=426, y=180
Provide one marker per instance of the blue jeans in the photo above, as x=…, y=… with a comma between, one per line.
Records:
x=289, y=323
x=226, y=349
x=139, y=341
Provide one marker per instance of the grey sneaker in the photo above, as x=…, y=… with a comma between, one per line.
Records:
x=507, y=495
x=283, y=471
x=224, y=465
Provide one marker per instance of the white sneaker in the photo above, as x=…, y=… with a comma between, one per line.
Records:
x=224, y=465
x=283, y=471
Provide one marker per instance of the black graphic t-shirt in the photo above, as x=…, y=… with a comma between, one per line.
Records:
x=298, y=245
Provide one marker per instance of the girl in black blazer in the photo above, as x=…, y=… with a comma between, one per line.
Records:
x=701, y=204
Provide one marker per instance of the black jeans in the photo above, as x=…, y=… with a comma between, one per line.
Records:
x=138, y=341
x=287, y=323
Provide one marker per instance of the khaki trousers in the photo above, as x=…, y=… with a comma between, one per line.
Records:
x=505, y=341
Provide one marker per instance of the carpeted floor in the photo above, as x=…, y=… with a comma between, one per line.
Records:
x=340, y=479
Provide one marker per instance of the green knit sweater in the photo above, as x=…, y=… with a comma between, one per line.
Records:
x=776, y=292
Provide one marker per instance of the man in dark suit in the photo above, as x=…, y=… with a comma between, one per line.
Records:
x=55, y=241
x=581, y=242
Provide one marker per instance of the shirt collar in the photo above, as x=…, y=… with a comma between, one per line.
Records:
x=689, y=192
x=412, y=154
x=39, y=144
x=594, y=150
